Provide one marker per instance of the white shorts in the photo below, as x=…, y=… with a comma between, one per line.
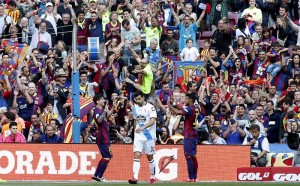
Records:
x=144, y=146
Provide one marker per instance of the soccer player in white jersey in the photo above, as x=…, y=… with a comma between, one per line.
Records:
x=145, y=135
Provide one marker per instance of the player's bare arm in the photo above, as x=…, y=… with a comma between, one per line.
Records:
x=149, y=124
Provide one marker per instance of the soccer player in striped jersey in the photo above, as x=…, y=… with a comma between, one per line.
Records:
x=190, y=133
x=100, y=116
x=145, y=135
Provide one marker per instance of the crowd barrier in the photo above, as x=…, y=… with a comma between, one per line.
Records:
x=60, y=162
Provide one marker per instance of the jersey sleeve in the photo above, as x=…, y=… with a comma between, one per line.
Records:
x=187, y=111
x=153, y=113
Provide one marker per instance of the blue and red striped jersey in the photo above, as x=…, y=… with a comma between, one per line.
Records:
x=102, y=135
x=189, y=123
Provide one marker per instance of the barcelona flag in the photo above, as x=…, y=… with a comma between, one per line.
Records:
x=86, y=105
x=183, y=70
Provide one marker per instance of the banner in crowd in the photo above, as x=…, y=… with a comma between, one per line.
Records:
x=182, y=71
x=17, y=53
x=79, y=161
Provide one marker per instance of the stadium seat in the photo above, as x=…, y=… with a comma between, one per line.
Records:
x=206, y=35
x=233, y=19
x=200, y=43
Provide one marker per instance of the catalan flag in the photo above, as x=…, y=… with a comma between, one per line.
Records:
x=86, y=104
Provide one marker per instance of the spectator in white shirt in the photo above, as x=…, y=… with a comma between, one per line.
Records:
x=4, y=19
x=189, y=53
x=40, y=35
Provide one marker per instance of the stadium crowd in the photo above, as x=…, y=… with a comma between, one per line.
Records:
x=251, y=72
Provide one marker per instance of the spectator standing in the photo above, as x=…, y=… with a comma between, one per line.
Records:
x=130, y=38
x=4, y=19
x=274, y=123
x=170, y=47
x=189, y=53
x=187, y=29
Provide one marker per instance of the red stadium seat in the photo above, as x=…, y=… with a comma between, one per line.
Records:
x=233, y=19
x=206, y=35
x=200, y=43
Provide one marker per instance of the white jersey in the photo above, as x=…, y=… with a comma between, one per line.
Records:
x=142, y=115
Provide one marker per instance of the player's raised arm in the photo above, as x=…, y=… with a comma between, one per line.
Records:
x=170, y=106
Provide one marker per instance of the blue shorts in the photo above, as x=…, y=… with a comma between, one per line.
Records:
x=190, y=147
x=105, y=150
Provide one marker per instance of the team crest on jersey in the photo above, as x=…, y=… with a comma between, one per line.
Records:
x=152, y=108
x=140, y=119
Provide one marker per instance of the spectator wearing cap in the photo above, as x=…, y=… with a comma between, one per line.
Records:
x=234, y=134
x=14, y=136
x=36, y=136
x=215, y=136
x=63, y=83
x=50, y=136
x=51, y=16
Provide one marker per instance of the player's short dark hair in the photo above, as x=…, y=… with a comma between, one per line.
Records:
x=97, y=97
x=288, y=101
x=138, y=93
x=12, y=123
x=269, y=101
x=192, y=96
x=254, y=126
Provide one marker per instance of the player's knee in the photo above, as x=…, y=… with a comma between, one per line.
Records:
x=137, y=155
x=150, y=157
x=107, y=159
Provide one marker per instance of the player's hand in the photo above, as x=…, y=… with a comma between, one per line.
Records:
x=139, y=130
x=253, y=141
